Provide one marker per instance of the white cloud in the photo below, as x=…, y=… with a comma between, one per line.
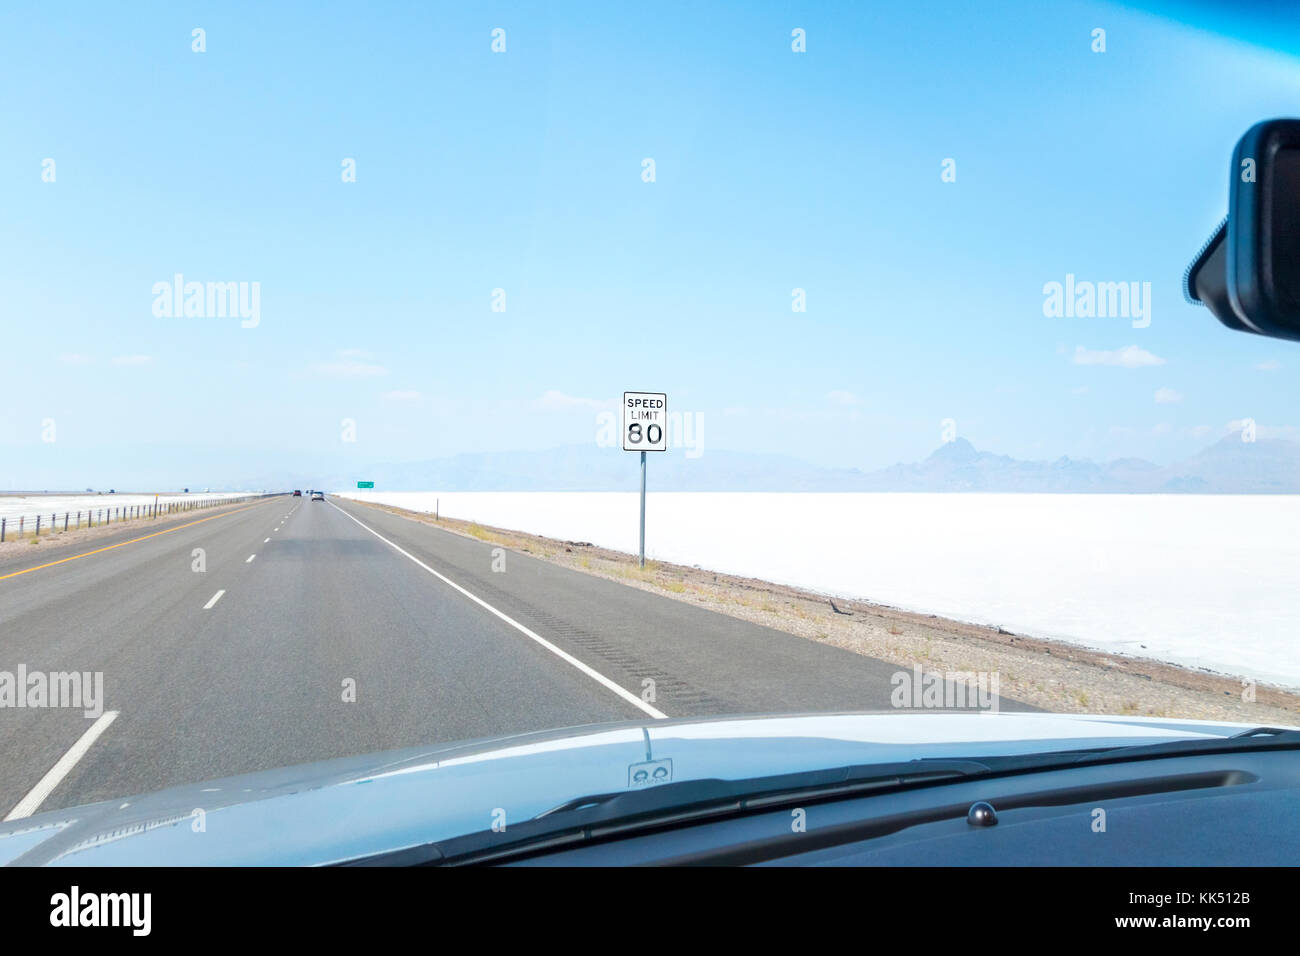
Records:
x=1130, y=356
x=1269, y=365
x=840, y=397
x=1080, y=390
x=401, y=395
x=132, y=359
x=557, y=401
x=1167, y=396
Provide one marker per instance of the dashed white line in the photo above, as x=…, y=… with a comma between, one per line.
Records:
x=591, y=672
x=29, y=804
x=215, y=598
x=264, y=540
x=249, y=559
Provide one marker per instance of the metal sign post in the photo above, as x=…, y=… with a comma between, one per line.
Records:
x=645, y=428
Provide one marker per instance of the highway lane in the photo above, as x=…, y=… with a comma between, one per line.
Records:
x=108, y=611
x=701, y=662
x=352, y=630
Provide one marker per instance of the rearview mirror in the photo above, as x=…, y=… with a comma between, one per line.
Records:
x=1248, y=274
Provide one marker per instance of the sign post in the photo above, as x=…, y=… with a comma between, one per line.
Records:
x=645, y=428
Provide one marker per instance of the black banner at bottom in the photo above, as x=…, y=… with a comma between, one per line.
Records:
x=917, y=906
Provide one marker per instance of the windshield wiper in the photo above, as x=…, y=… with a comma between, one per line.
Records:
x=761, y=791
x=1257, y=738
x=603, y=815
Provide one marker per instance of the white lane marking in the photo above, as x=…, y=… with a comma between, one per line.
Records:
x=215, y=598
x=29, y=804
x=591, y=672
x=264, y=540
x=249, y=559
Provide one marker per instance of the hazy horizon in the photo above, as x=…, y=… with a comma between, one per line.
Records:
x=682, y=462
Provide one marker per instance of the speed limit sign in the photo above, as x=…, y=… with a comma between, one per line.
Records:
x=645, y=421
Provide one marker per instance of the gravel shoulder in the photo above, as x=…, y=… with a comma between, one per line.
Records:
x=1049, y=674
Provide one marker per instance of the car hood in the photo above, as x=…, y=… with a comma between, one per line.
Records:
x=347, y=808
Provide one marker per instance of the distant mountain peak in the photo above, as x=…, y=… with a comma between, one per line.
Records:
x=957, y=450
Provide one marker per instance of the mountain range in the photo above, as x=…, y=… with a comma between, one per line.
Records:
x=1229, y=466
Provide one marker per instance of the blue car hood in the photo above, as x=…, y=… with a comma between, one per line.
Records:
x=342, y=809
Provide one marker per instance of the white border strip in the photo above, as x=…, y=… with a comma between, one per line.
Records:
x=563, y=655
x=29, y=804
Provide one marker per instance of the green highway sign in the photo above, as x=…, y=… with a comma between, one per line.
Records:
x=365, y=484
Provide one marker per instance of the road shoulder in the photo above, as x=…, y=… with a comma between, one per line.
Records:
x=1046, y=674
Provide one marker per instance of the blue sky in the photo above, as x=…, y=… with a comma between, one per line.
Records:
x=522, y=171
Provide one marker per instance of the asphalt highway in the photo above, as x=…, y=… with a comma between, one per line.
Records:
x=288, y=630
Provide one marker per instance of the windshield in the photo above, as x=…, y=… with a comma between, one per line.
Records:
x=714, y=362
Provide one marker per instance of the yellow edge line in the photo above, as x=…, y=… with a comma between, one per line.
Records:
x=110, y=547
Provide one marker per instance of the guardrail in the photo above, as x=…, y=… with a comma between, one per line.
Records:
x=95, y=517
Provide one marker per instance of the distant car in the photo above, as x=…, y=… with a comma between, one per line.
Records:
x=318, y=496
x=297, y=492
